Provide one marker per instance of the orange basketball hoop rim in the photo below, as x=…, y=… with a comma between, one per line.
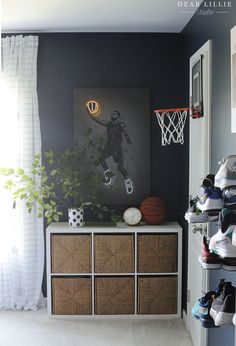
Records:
x=172, y=109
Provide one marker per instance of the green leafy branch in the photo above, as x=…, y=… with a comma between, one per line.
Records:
x=66, y=180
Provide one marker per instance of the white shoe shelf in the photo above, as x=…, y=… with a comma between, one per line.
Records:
x=202, y=227
x=114, y=271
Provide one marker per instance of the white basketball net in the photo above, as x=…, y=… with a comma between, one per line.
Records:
x=172, y=125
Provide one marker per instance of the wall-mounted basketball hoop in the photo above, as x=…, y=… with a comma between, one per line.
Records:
x=196, y=100
x=171, y=122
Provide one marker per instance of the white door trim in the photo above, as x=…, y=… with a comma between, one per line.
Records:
x=233, y=51
x=206, y=49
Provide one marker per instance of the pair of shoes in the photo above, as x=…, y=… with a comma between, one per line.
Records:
x=223, y=306
x=226, y=175
x=210, y=199
x=201, y=310
x=226, y=180
x=194, y=215
x=211, y=260
x=223, y=243
x=220, y=251
x=206, y=207
x=109, y=179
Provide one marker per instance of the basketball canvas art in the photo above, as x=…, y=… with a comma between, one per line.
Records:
x=118, y=122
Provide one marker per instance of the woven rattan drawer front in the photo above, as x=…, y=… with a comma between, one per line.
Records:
x=114, y=295
x=71, y=296
x=157, y=295
x=71, y=253
x=157, y=253
x=114, y=253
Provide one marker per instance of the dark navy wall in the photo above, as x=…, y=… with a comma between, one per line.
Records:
x=197, y=32
x=94, y=60
x=68, y=61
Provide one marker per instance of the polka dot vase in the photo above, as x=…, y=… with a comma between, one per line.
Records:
x=76, y=217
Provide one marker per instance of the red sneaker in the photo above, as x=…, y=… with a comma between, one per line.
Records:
x=209, y=260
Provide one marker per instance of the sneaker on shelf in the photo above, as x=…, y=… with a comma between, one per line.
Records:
x=228, y=222
x=207, y=259
x=221, y=242
x=227, y=218
x=226, y=175
x=223, y=307
x=210, y=196
x=234, y=319
x=229, y=197
x=213, y=216
x=201, y=310
x=194, y=215
x=229, y=263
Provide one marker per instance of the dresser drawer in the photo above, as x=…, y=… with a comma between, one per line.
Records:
x=71, y=296
x=157, y=295
x=114, y=253
x=157, y=253
x=71, y=253
x=114, y=295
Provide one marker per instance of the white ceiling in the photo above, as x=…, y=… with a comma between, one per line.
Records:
x=94, y=15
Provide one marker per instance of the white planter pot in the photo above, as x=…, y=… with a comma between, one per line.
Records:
x=76, y=217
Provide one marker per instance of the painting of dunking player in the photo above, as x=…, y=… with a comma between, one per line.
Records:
x=117, y=119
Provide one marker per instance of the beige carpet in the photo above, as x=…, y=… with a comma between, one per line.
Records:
x=34, y=328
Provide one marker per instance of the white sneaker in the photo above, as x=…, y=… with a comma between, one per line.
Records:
x=221, y=243
x=223, y=307
x=109, y=177
x=234, y=319
x=210, y=203
x=193, y=217
x=129, y=186
x=226, y=175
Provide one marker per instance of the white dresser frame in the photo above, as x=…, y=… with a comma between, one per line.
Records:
x=63, y=228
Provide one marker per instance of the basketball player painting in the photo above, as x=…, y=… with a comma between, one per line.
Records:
x=115, y=131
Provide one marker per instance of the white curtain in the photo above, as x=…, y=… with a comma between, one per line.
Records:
x=21, y=233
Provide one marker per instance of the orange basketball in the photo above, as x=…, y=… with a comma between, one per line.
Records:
x=154, y=210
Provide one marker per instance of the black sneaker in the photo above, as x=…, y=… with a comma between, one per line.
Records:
x=223, y=307
x=227, y=218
